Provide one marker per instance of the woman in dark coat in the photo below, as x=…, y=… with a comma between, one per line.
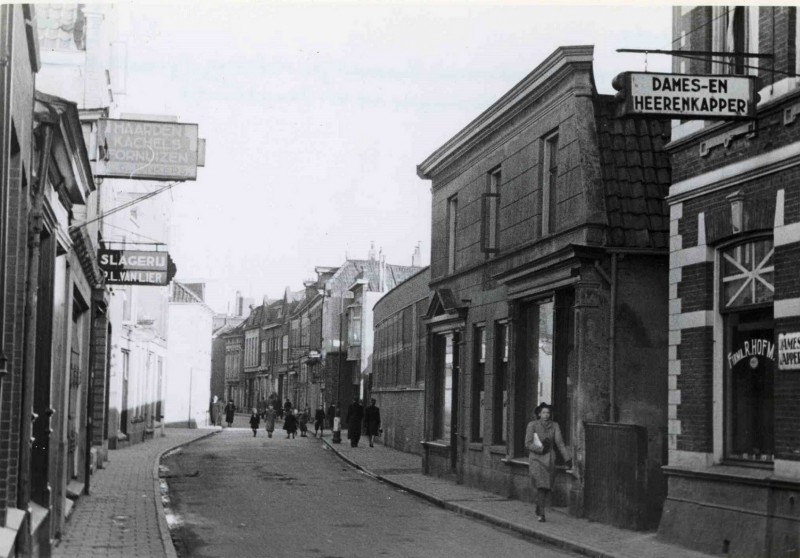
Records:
x=354, y=418
x=290, y=425
x=319, y=421
x=255, y=421
x=372, y=421
x=230, y=408
x=269, y=420
x=542, y=437
x=303, y=420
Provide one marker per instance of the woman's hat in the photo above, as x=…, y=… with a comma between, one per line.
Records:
x=540, y=407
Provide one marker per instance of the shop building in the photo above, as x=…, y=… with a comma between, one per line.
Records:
x=549, y=266
x=234, y=349
x=734, y=296
x=399, y=359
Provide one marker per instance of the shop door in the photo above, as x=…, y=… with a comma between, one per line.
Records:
x=73, y=408
x=123, y=416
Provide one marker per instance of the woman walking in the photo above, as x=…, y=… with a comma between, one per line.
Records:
x=255, y=421
x=319, y=421
x=303, y=420
x=542, y=437
x=372, y=422
x=290, y=425
x=230, y=409
x=269, y=420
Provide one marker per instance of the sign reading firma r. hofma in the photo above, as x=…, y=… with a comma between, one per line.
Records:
x=147, y=150
x=136, y=267
x=712, y=97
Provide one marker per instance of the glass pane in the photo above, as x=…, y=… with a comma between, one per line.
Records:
x=447, y=404
x=545, y=385
x=748, y=274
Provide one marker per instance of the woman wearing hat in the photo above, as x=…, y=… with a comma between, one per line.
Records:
x=542, y=436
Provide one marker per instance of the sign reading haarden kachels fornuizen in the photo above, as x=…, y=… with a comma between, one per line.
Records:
x=135, y=267
x=704, y=97
x=148, y=150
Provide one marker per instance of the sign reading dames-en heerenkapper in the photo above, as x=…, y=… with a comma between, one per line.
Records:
x=135, y=267
x=703, y=97
x=789, y=351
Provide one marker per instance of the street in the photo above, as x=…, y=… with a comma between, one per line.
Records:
x=234, y=495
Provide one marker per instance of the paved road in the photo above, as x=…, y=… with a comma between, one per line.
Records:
x=238, y=496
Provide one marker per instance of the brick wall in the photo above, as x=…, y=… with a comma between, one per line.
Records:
x=787, y=278
x=696, y=288
x=695, y=383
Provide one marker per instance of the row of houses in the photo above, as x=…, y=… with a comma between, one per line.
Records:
x=312, y=346
x=83, y=364
x=640, y=275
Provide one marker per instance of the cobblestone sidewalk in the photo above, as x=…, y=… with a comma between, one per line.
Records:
x=122, y=517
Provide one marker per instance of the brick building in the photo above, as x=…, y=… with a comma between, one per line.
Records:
x=399, y=359
x=734, y=296
x=549, y=276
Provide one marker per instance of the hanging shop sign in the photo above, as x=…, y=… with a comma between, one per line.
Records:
x=688, y=97
x=789, y=351
x=147, y=150
x=751, y=350
x=136, y=267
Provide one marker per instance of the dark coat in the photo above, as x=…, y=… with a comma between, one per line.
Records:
x=230, y=408
x=290, y=423
x=255, y=421
x=541, y=466
x=354, y=418
x=269, y=419
x=319, y=418
x=372, y=420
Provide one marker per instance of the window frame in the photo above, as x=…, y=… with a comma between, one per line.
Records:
x=490, y=213
x=478, y=381
x=452, y=232
x=500, y=402
x=549, y=175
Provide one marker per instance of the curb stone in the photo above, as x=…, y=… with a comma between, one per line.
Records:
x=163, y=527
x=579, y=548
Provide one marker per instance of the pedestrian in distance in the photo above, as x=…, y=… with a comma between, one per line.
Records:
x=255, y=421
x=290, y=424
x=303, y=421
x=331, y=415
x=372, y=422
x=269, y=420
x=354, y=418
x=287, y=407
x=230, y=409
x=337, y=428
x=542, y=438
x=319, y=421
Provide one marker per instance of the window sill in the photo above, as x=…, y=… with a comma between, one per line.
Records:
x=475, y=446
x=435, y=445
x=498, y=450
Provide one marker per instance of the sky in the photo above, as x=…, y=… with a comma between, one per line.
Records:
x=316, y=115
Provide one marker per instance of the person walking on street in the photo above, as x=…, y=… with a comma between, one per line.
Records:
x=319, y=421
x=372, y=421
x=542, y=437
x=354, y=418
x=255, y=421
x=331, y=415
x=303, y=420
x=290, y=424
x=269, y=420
x=230, y=408
x=287, y=407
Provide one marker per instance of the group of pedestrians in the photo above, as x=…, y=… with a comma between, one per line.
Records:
x=369, y=417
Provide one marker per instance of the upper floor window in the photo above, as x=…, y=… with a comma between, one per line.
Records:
x=549, y=183
x=490, y=210
x=452, y=222
x=748, y=274
x=354, y=326
x=735, y=30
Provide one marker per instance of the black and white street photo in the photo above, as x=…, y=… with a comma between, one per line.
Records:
x=356, y=279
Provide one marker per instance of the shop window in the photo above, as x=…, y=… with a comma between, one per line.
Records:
x=490, y=213
x=500, y=402
x=747, y=288
x=444, y=391
x=354, y=326
x=478, y=371
x=549, y=184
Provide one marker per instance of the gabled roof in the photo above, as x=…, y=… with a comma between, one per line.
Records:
x=370, y=270
x=182, y=293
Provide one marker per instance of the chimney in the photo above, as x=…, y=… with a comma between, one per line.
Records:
x=371, y=254
x=416, y=258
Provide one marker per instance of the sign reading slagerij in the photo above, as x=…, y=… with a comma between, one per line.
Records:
x=134, y=267
x=147, y=150
x=789, y=351
x=710, y=97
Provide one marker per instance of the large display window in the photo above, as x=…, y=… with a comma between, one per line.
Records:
x=746, y=294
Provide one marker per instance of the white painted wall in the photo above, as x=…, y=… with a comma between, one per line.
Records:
x=188, y=375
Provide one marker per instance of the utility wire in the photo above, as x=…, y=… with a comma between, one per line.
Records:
x=126, y=205
x=699, y=27
x=134, y=233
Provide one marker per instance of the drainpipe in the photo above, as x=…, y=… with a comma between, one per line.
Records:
x=612, y=342
x=31, y=306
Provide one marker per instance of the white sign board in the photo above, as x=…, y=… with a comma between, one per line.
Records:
x=705, y=97
x=789, y=351
x=147, y=150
